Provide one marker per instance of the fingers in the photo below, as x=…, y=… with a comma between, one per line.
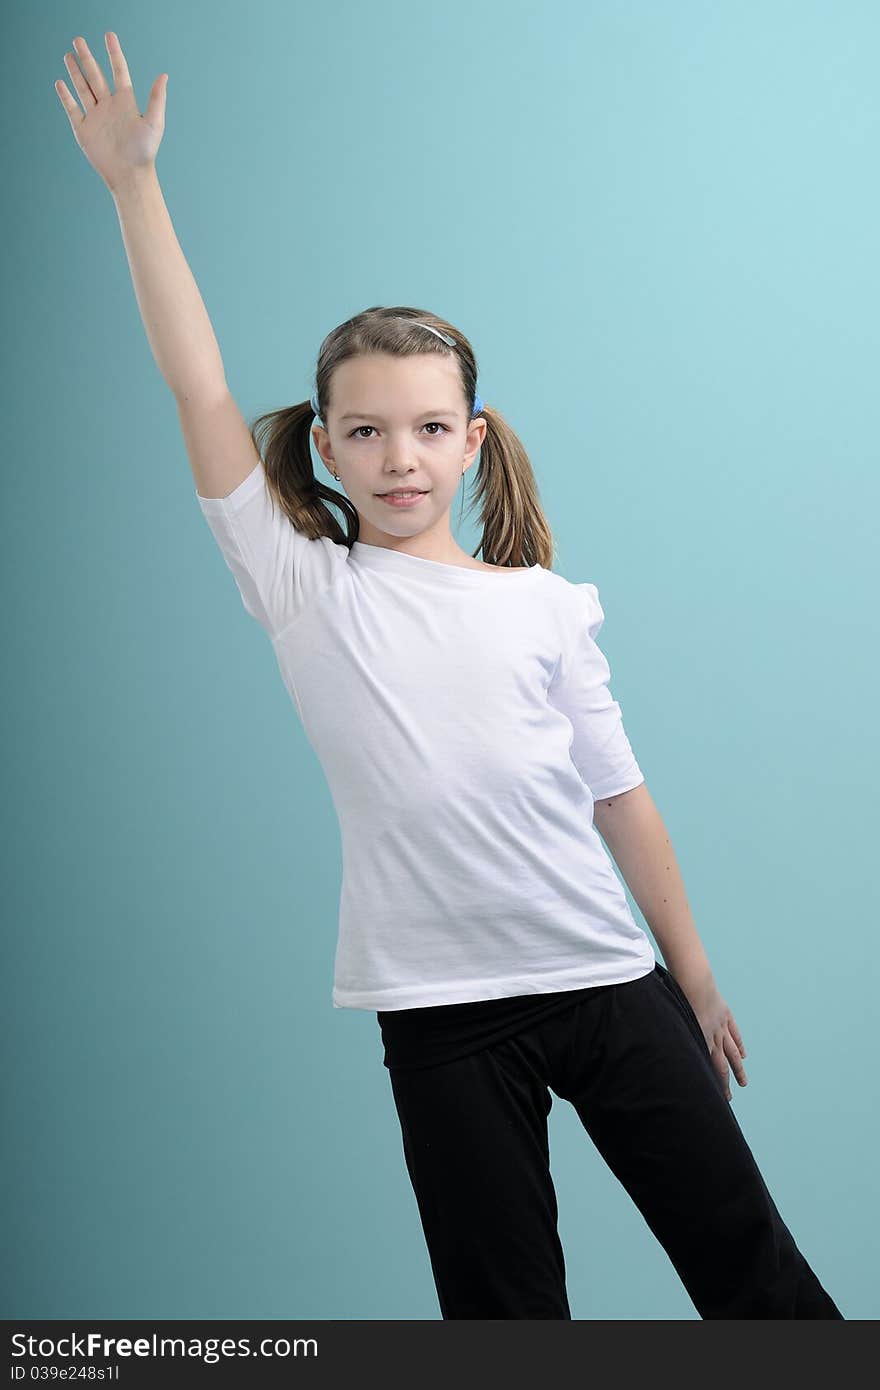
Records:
x=731, y=1048
x=117, y=60
x=735, y=1034
x=75, y=115
x=94, y=76
x=93, y=85
x=735, y=1051
x=724, y=1054
x=719, y=1061
x=84, y=92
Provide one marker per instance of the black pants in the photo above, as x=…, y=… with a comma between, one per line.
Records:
x=634, y=1064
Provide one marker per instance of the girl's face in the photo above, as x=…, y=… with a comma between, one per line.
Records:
x=398, y=423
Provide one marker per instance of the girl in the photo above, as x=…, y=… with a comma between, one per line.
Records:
x=461, y=710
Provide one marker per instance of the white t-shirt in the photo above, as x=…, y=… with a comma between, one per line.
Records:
x=464, y=724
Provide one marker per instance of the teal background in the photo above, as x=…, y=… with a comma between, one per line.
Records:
x=658, y=224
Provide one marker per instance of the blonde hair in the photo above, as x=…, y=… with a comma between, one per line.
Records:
x=514, y=529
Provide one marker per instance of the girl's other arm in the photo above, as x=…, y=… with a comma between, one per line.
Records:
x=218, y=442
x=633, y=830
x=121, y=145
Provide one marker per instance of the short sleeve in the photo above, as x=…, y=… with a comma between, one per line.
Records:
x=278, y=569
x=580, y=689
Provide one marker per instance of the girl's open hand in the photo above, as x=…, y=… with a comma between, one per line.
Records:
x=723, y=1038
x=112, y=134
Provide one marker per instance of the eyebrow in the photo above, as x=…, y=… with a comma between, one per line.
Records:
x=363, y=415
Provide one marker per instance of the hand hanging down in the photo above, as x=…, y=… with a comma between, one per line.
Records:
x=723, y=1038
x=634, y=831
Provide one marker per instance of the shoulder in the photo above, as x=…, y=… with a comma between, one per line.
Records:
x=578, y=603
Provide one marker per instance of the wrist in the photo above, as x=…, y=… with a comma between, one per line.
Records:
x=133, y=182
x=690, y=968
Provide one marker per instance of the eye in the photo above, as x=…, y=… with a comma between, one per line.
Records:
x=438, y=423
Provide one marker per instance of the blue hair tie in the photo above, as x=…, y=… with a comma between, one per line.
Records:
x=477, y=410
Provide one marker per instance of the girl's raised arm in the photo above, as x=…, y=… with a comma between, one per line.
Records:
x=121, y=145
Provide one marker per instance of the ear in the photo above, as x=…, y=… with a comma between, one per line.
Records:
x=476, y=434
x=321, y=441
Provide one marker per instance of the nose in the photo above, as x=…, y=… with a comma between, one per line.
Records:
x=398, y=465
x=397, y=457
